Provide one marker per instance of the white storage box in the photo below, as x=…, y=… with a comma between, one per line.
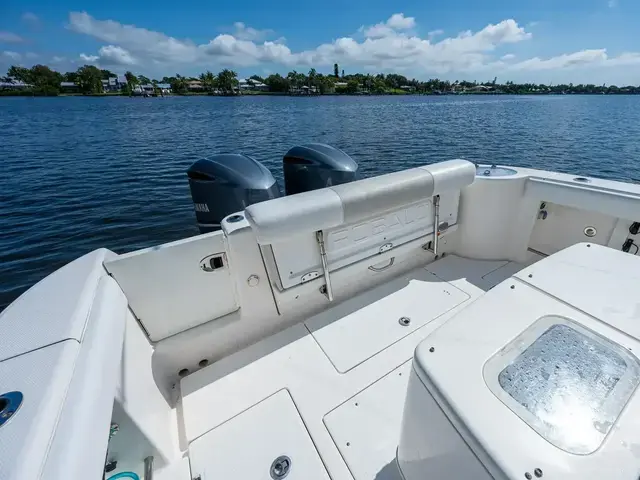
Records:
x=523, y=385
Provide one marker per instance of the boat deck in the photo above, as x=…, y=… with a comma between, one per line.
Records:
x=327, y=393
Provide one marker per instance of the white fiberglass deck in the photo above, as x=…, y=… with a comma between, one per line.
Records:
x=341, y=377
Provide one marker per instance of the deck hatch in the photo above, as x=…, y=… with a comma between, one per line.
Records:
x=566, y=382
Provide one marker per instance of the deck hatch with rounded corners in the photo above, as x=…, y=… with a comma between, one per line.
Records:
x=566, y=382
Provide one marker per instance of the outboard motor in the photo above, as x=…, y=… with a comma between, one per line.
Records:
x=227, y=183
x=317, y=165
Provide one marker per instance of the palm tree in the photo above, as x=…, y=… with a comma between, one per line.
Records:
x=203, y=80
x=208, y=80
x=312, y=77
x=179, y=84
x=132, y=80
x=227, y=80
x=293, y=78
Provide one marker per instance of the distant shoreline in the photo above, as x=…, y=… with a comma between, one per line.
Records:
x=27, y=94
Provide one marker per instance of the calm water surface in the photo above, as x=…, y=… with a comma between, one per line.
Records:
x=82, y=173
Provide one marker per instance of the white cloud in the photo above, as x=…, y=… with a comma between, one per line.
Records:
x=243, y=32
x=396, y=22
x=11, y=55
x=388, y=46
x=392, y=45
x=9, y=37
x=114, y=55
x=378, y=31
x=88, y=58
x=612, y=3
x=154, y=46
x=625, y=59
x=584, y=59
x=31, y=18
x=435, y=33
x=31, y=55
x=57, y=59
x=233, y=51
x=576, y=59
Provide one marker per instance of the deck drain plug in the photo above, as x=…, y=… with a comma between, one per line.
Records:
x=404, y=321
x=280, y=467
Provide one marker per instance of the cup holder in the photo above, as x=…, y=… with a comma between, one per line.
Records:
x=235, y=218
x=9, y=404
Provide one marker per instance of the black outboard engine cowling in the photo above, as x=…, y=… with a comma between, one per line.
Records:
x=317, y=165
x=227, y=183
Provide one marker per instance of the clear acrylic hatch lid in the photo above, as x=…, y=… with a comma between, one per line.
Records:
x=566, y=382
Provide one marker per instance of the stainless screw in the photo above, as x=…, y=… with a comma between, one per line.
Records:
x=404, y=321
x=528, y=476
x=537, y=472
x=432, y=349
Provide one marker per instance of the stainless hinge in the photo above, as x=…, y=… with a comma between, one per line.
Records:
x=309, y=276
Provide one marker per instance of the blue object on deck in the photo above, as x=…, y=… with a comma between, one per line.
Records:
x=131, y=475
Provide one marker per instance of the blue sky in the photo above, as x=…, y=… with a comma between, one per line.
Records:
x=544, y=41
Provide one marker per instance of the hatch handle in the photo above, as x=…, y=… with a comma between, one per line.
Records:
x=382, y=269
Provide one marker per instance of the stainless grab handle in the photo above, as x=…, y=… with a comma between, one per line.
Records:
x=382, y=269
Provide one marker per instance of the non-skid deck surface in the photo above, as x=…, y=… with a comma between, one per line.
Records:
x=344, y=372
x=359, y=328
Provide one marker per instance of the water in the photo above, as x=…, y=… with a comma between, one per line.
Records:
x=81, y=173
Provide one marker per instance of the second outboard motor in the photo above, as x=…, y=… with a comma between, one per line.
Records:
x=227, y=183
x=317, y=165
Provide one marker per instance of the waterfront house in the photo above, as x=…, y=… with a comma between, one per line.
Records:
x=303, y=90
x=14, y=84
x=165, y=88
x=111, y=84
x=195, y=85
x=69, y=87
x=480, y=89
x=150, y=89
x=251, y=84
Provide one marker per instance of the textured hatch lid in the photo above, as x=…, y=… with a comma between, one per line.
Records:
x=566, y=382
